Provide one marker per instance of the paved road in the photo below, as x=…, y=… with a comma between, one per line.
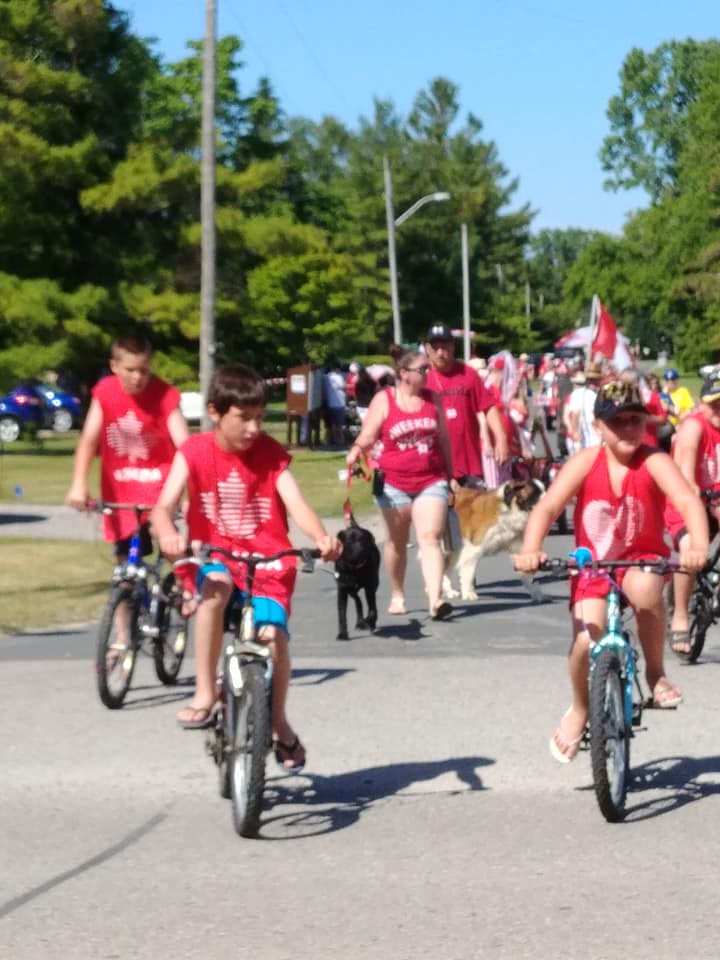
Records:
x=430, y=822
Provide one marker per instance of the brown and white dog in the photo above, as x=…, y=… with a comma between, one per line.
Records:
x=490, y=522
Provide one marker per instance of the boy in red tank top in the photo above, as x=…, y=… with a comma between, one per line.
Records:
x=620, y=489
x=696, y=451
x=240, y=491
x=135, y=425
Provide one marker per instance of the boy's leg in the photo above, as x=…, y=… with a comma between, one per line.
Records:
x=216, y=590
x=289, y=750
x=683, y=585
x=645, y=592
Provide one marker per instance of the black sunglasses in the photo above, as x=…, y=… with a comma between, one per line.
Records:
x=423, y=369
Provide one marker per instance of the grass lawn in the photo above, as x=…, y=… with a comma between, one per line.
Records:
x=70, y=578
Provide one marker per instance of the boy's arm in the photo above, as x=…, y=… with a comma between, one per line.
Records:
x=685, y=449
x=77, y=495
x=549, y=507
x=172, y=543
x=305, y=517
x=177, y=428
x=687, y=503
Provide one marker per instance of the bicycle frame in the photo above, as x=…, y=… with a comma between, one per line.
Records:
x=618, y=638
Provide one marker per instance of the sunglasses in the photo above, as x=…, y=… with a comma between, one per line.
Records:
x=423, y=369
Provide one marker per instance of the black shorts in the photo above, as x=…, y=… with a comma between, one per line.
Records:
x=122, y=547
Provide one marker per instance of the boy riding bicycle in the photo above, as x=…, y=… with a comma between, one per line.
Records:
x=621, y=489
x=240, y=491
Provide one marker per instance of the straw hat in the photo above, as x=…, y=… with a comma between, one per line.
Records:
x=578, y=378
x=593, y=371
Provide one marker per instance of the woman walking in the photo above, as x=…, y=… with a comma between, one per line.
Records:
x=414, y=456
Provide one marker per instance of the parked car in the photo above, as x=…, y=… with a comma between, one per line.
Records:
x=33, y=406
x=20, y=411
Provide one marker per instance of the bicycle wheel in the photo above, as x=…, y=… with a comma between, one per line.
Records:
x=248, y=749
x=609, y=735
x=118, y=643
x=171, y=641
x=701, y=617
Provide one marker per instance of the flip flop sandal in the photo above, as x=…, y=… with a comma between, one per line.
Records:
x=397, y=606
x=665, y=696
x=442, y=611
x=571, y=747
x=198, y=718
x=291, y=757
x=680, y=636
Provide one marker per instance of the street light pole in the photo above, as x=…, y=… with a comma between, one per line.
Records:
x=465, y=290
x=392, y=222
x=207, y=207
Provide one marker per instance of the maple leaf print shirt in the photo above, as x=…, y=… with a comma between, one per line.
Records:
x=136, y=449
x=234, y=504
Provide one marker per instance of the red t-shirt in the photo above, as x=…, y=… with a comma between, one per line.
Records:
x=462, y=395
x=136, y=449
x=411, y=455
x=234, y=504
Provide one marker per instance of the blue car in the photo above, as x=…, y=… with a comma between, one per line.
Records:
x=34, y=406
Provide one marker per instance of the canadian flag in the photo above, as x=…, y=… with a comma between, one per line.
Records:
x=607, y=339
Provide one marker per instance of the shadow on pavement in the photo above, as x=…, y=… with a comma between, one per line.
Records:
x=311, y=676
x=412, y=630
x=22, y=517
x=334, y=803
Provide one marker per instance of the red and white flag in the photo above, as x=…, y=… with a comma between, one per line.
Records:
x=608, y=341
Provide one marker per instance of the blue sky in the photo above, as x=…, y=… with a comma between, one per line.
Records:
x=538, y=73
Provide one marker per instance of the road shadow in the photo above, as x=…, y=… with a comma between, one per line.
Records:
x=312, y=676
x=329, y=804
x=410, y=630
x=22, y=517
x=680, y=781
x=161, y=695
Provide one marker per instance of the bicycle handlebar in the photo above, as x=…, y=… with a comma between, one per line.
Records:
x=661, y=565
x=251, y=561
x=105, y=506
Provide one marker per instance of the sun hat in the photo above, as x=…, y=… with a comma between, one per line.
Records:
x=438, y=331
x=593, y=371
x=617, y=396
x=710, y=391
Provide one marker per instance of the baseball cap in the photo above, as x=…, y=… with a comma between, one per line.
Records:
x=671, y=374
x=616, y=397
x=438, y=331
x=710, y=391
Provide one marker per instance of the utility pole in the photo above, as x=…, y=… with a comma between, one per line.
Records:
x=392, y=263
x=465, y=290
x=207, y=206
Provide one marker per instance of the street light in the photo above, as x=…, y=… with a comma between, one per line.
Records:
x=392, y=222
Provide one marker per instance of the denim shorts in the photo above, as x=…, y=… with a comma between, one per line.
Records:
x=393, y=499
x=268, y=612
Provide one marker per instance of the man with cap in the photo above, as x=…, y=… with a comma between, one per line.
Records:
x=464, y=398
x=696, y=451
x=581, y=409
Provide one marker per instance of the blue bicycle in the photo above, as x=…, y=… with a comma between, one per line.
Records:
x=616, y=698
x=144, y=606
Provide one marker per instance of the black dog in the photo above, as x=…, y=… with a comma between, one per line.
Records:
x=357, y=569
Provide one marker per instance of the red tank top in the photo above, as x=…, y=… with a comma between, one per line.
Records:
x=411, y=455
x=707, y=465
x=621, y=527
x=135, y=448
x=234, y=504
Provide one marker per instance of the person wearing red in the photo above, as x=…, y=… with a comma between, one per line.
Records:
x=414, y=455
x=134, y=423
x=240, y=492
x=464, y=399
x=621, y=488
x=696, y=451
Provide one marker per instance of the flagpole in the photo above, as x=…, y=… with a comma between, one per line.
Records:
x=593, y=324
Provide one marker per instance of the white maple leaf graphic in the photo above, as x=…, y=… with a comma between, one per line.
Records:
x=230, y=511
x=125, y=437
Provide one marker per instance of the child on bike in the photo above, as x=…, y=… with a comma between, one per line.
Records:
x=240, y=491
x=135, y=424
x=696, y=451
x=621, y=488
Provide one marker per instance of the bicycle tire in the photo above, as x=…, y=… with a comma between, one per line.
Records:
x=171, y=641
x=701, y=617
x=248, y=749
x=223, y=736
x=115, y=663
x=609, y=735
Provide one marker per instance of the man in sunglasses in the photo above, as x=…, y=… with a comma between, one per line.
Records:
x=464, y=400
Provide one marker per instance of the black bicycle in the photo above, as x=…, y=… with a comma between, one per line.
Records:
x=144, y=606
x=241, y=736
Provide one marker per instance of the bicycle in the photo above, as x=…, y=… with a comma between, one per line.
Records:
x=704, y=606
x=241, y=735
x=616, y=699
x=144, y=605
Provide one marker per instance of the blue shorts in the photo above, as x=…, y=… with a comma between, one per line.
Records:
x=268, y=612
x=393, y=499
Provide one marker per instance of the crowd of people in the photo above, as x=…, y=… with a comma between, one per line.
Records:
x=430, y=424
